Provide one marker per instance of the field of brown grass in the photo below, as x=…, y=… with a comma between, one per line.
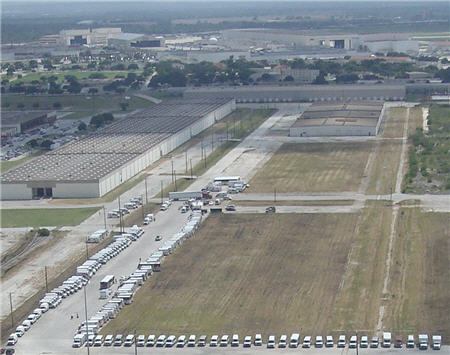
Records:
x=419, y=284
x=247, y=274
x=314, y=167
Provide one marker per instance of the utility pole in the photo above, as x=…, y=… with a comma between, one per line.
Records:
x=172, y=168
x=190, y=160
x=212, y=138
x=162, y=192
x=227, y=129
x=86, y=313
x=87, y=251
x=104, y=216
x=146, y=192
x=186, y=163
x=391, y=193
x=175, y=180
x=10, y=305
x=46, y=280
x=120, y=216
x=142, y=199
x=135, y=343
x=275, y=194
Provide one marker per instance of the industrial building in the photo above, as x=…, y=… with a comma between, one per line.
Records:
x=15, y=122
x=346, y=119
x=98, y=163
x=135, y=40
x=88, y=37
x=306, y=93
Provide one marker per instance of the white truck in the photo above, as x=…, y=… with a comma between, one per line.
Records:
x=185, y=195
x=79, y=340
x=387, y=338
x=423, y=341
x=437, y=339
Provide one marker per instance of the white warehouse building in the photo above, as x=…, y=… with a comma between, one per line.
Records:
x=98, y=163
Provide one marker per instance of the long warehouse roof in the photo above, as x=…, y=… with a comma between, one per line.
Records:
x=98, y=154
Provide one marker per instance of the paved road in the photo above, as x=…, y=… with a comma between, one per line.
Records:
x=54, y=332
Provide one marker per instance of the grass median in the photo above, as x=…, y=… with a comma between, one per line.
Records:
x=44, y=217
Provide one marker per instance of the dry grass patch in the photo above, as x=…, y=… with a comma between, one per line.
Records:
x=246, y=274
x=384, y=172
x=420, y=274
x=396, y=118
x=293, y=203
x=360, y=294
x=315, y=167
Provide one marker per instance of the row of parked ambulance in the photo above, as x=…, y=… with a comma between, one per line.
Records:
x=162, y=340
x=88, y=331
x=74, y=283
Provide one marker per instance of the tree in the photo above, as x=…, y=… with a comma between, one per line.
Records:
x=124, y=106
x=82, y=126
x=57, y=105
x=21, y=105
x=289, y=78
x=92, y=91
x=43, y=232
x=133, y=66
x=46, y=144
x=35, y=104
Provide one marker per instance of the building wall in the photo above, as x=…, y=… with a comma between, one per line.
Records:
x=329, y=131
x=15, y=192
x=76, y=190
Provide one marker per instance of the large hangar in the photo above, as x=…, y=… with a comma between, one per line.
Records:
x=347, y=119
x=96, y=164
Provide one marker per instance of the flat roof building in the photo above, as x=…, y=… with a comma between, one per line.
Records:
x=347, y=119
x=16, y=122
x=98, y=163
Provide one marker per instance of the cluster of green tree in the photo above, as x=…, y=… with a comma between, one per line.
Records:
x=231, y=71
x=101, y=119
x=428, y=155
x=132, y=81
x=44, y=144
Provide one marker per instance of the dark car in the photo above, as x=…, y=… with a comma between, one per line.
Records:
x=270, y=209
x=158, y=238
x=231, y=208
x=398, y=343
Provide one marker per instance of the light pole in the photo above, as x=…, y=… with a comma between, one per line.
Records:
x=120, y=216
x=146, y=192
x=275, y=195
x=172, y=168
x=190, y=160
x=175, y=173
x=186, y=162
x=11, y=307
x=86, y=313
x=104, y=216
x=162, y=192
x=46, y=280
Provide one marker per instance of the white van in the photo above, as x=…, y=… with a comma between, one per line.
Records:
x=283, y=341
x=235, y=340
x=12, y=340
x=329, y=341
x=151, y=340
x=319, y=341
x=247, y=341
x=271, y=342
x=98, y=340
x=129, y=340
x=20, y=330
x=79, y=340
x=293, y=343
x=171, y=339
x=364, y=342
x=437, y=340
x=192, y=339
x=26, y=324
x=258, y=340
x=140, y=341
x=224, y=340
x=341, y=341
x=353, y=342
x=108, y=340
x=181, y=341
x=214, y=340
x=410, y=342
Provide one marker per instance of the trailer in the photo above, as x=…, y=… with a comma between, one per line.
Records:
x=185, y=195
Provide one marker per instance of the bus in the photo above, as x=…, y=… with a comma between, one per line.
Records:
x=107, y=282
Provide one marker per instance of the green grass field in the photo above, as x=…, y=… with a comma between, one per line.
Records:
x=44, y=217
